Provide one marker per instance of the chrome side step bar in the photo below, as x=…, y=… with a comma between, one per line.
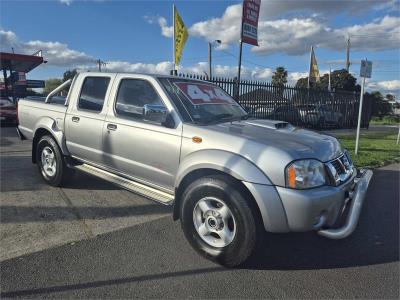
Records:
x=128, y=184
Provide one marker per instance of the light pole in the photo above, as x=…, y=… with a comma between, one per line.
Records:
x=210, y=44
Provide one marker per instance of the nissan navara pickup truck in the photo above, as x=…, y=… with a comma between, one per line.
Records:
x=188, y=144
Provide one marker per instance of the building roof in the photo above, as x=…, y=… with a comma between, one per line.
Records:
x=19, y=62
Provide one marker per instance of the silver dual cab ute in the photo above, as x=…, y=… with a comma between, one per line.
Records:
x=187, y=143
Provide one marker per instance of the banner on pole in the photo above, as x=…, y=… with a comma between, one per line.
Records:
x=251, y=10
x=180, y=34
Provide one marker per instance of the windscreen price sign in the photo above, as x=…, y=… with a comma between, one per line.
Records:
x=202, y=93
x=366, y=69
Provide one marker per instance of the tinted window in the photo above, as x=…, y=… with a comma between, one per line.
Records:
x=93, y=93
x=133, y=94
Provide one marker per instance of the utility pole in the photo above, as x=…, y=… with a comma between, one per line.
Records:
x=348, y=54
x=209, y=61
x=210, y=45
x=239, y=67
x=100, y=63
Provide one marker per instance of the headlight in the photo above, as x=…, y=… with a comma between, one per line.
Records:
x=305, y=174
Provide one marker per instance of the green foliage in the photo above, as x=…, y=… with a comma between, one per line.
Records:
x=390, y=97
x=69, y=74
x=51, y=84
x=374, y=149
x=280, y=76
x=30, y=92
x=302, y=83
x=340, y=80
x=379, y=106
x=386, y=120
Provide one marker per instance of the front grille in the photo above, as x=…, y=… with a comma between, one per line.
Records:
x=341, y=168
x=337, y=164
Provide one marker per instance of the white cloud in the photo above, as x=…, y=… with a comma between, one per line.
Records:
x=294, y=76
x=226, y=28
x=200, y=68
x=386, y=86
x=378, y=35
x=55, y=53
x=277, y=8
x=66, y=2
x=69, y=2
x=166, y=31
x=59, y=54
x=295, y=35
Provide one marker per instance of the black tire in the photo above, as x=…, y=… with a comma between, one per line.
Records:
x=246, y=221
x=62, y=171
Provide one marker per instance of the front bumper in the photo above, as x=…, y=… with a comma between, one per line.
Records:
x=318, y=209
x=357, y=199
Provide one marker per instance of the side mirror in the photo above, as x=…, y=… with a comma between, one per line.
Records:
x=158, y=114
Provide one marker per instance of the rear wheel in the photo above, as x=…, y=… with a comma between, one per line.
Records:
x=51, y=162
x=218, y=221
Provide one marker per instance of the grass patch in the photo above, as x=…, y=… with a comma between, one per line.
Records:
x=386, y=120
x=374, y=149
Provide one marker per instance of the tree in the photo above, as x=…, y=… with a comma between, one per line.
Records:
x=379, y=106
x=280, y=76
x=302, y=83
x=390, y=97
x=69, y=74
x=51, y=84
x=340, y=80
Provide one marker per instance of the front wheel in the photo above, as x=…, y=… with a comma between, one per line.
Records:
x=218, y=221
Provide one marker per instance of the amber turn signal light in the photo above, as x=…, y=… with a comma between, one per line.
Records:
x=197, y=139
x=291, y=177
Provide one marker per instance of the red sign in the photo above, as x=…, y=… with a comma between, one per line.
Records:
x=203, y=93
x=251, y=10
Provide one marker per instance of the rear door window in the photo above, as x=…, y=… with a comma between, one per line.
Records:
x=93, y=93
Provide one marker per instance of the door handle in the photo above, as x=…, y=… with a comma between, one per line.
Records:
x=111, y=127
x=75, y=119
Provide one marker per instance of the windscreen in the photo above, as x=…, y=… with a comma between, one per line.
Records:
x=204, y=102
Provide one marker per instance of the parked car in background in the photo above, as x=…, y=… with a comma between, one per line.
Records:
x=8, y=112
x=286, y=113
x=320, y=115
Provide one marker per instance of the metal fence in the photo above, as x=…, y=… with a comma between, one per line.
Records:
x=312, y=108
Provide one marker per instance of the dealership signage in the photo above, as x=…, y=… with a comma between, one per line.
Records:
x=251, y=10
x=35, y=84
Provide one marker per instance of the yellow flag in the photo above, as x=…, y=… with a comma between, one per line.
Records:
x=180, y=35
x=314, y=72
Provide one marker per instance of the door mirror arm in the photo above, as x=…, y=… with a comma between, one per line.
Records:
x=169, y=121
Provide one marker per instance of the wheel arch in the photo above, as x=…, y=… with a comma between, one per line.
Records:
x=208, y=172
x=48, y=126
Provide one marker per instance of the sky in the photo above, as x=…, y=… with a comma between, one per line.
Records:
x=136, y=36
